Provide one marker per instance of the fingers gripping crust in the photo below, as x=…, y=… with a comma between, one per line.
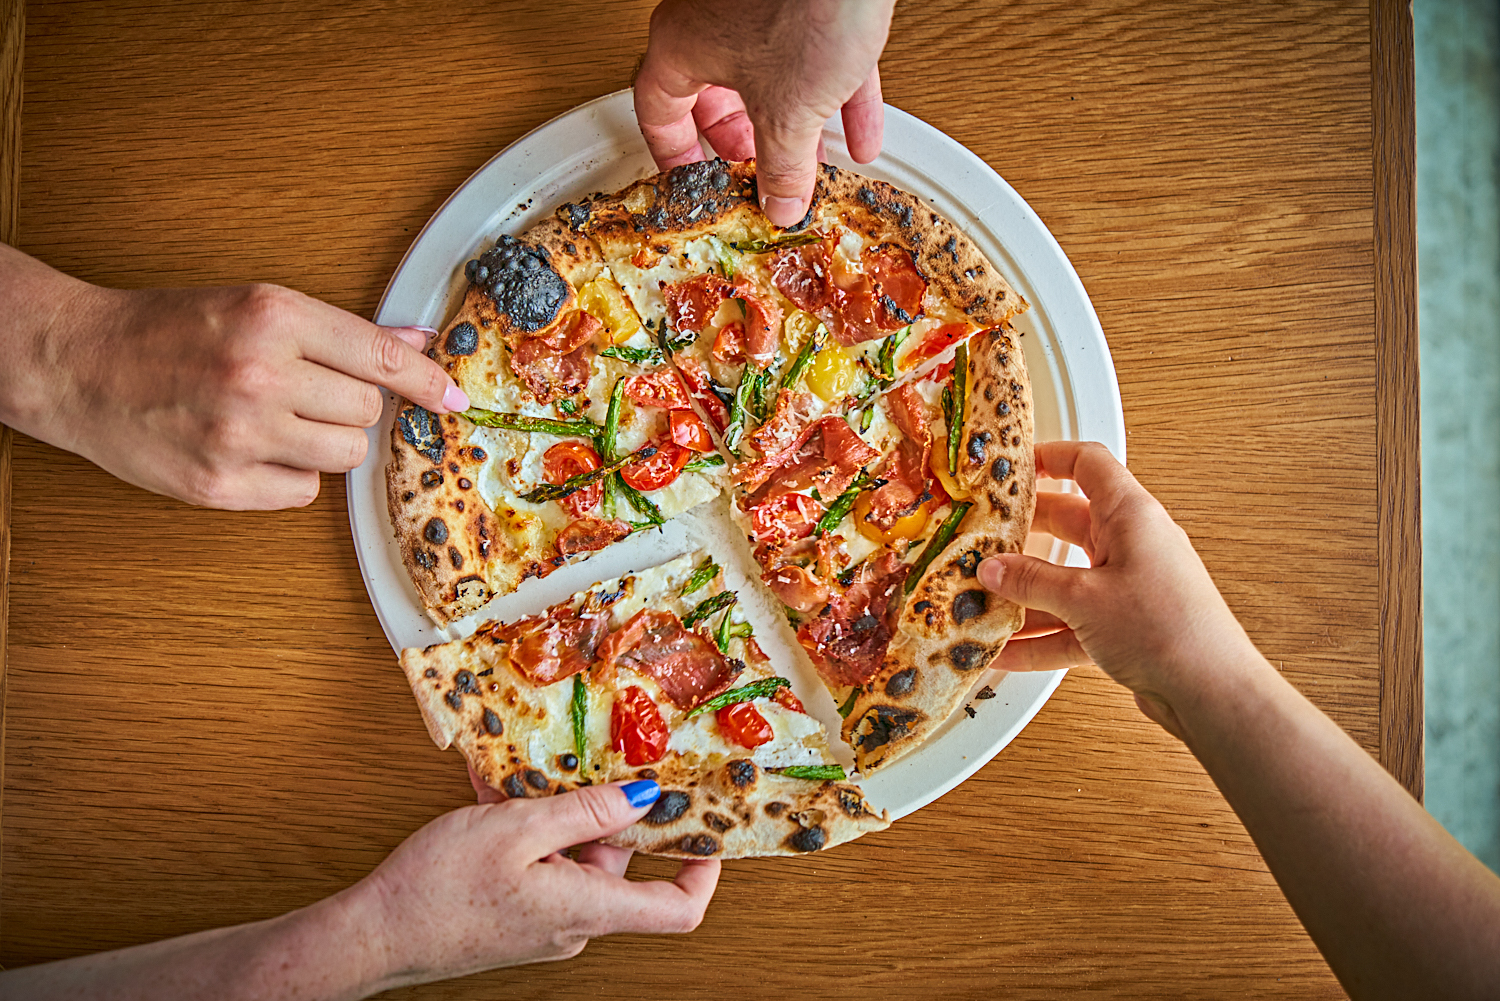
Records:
x=952, y=627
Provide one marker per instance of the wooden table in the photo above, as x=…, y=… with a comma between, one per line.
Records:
x=205, y=725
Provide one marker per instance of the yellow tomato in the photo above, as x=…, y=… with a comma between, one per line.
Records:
x=832, y=373
x=905, y=528
x=800, y=325
x=939, y=464
x=603, y=298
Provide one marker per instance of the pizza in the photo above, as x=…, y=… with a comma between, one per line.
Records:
x=652, y=675
x=853, y=385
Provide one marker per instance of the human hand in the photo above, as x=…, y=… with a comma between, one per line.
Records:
x=227, y=397
x=760, y=80
x=490, y=885
x=1147, y=612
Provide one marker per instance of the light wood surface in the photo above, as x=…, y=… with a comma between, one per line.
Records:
x=205, y=724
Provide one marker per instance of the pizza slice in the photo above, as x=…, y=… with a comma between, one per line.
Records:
x=870, y=288
x=580, y=431
x=653, y=675
x=870, y=530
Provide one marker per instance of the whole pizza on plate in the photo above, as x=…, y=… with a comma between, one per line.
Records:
x=852, y=383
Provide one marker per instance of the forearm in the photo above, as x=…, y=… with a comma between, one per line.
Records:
x=324, y=951
x=1396, y=905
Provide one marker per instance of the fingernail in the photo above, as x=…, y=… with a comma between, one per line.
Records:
x=783, y=211
x=415, y=336
x=642, y=792
x=991, y=573
x=455, y=399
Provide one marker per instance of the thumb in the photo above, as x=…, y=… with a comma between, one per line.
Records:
x=1034, y=583
x=586, y=814
x=786, y=168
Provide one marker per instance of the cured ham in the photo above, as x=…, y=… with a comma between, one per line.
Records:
x=685, y=665
x=547, y=649
x=692, y=303
x=906, y=474
x=589, y=534
x=556, y=363
x=776, y=439
x=827, y=458
x=849, y=637
x=858, y=303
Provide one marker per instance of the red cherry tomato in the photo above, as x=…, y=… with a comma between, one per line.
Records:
x=785, y=698
x=785, y=518
x=659, y=470
x=941, y=374
x=935, y=343
x=636, y=728
x=689, y=431
x=729, y=345
x=745, y=726
x=661, y=388
x=565, y=460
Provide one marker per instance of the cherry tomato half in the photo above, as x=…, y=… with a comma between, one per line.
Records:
x=785, y=518
x=689, y=431
x=661, y=388
x=659, y=470
x=745, y=726
x=565, y=460
x=785, y=698
x=636, y=728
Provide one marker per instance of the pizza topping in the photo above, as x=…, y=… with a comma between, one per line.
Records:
x=937, y=543
x=729, y=345
x=520, y=279
x=784, y=518
x=787, y=700
x=565, y=460
x=700, y=388
x=636, y=728
x=655, y=643
x=520, y=422
x=905, y=472
x=556, y=364
x=689, y=431
x=899, y=284
x=658, y=470
x=745, y=726
x=573, y=484
x=936, y=342
x=849, y=637
x=776, y=439
x=661, y=388
x=762, y=324
x=858, y=302
x=797, y=587
x=691, y=304
x=827, y=459
x=547, y=649
x=764, y=688
x=590, y=534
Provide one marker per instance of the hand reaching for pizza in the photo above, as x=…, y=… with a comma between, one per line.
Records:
x=226, y=397
x=760, y=80
x=1147, y=612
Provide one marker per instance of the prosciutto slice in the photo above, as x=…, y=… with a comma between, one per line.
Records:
x=687, y=667
x=556, y=363
x=858, y=303
x=828, y=457
x=849, y=637
x=547, y=649
x=905, y=472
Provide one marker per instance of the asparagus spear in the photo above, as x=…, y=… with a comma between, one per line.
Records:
x=705, y=573
x=579, y=711
x=957, y=400
x=755, y=690
x=777, y=242
x=709, y=606
x=557, y=491
x=520, y=422
x=817, y=773
x=843, y=504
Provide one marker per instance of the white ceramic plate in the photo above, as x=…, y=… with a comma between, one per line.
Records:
x=597, y=147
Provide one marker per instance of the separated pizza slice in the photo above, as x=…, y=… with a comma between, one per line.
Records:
x=870, y=530
x=654, y=675
x=580, y=432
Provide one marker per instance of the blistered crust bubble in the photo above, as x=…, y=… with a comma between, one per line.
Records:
x=521, y=281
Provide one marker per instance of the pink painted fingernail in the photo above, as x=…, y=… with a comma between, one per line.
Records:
x=783, y=211
x=415, y=336
x=455, y=399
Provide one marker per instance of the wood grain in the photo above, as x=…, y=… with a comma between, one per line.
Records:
x=206, y=725
x=12, y=35
x=1398, y=440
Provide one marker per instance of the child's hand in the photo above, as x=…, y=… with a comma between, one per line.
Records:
x=1147, y=613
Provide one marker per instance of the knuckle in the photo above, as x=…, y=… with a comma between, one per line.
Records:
x=390, y=355
x=369, y=406
x=356, y=447
x=209, y=487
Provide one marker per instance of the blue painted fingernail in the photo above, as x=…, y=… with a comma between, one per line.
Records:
x=642, y=792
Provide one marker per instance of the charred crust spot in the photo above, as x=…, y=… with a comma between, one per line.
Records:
x=921, y=606
x=492, y=724
x=464, y=483
x=455, y=701
x=895, y=310
x=520, y=279
x=951, y=248
x=968, y=605
x=435, y=531
x=408, y=495
x=574, y=215
x=989, y=394
x=807, y=839
x=422, y=432
x=513, y=787
x=1002, y=409
x=432, y=478
x=462, y=340
x=699, y=844
x=1001, y=469
x=717, y=821
x=742, y=773
x=865, y=195
x=672, y=804
x=1014, y=488
x=977, y=444
x=882, y=724
x=775, y=808
x=968, y=656
x=852, y=804
x=537, y=780
x=424, y=558
x=431, y=672
x=486, y=672
x=570, y=247
x=453, y=466
x=464, y=682
x=477, y=453
x=968, y=563
x=970, y=711
x=456, y=558
x=901, y=683
x=567, y=762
